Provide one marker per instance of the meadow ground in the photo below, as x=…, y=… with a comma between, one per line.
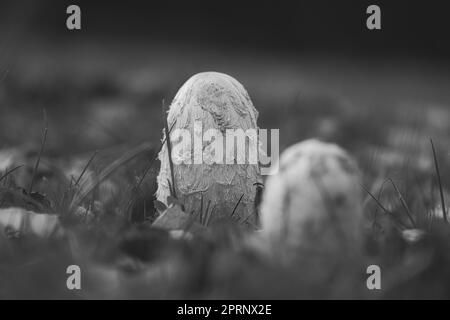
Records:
x=108, y=98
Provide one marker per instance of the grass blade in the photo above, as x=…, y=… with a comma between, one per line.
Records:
x=403, y=202
x=169, y=150
x=86, y=189
x=441, y=191
x=150, y=165
x=36, y=166
x=85, y=168
x=237, y=204
x=376, y=200
x=7, y=173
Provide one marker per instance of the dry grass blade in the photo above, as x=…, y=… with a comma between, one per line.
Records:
x=85, y=168
x=403, y=202
x=441, y=191
x=36, y=167
x=201, y=208
x=398, y=224
x=169, y=150
x=237, y=204
x=86, y=189
x=206, y=212
x=150, y=165
x=7, y=173
x=376, y=200
x=146, y=171
x=380, y=193
x=137, y=186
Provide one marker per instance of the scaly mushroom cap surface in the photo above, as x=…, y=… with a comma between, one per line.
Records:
x=217, y=101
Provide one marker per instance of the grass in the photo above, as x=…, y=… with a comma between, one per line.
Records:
x=106, y=202
x=441, y=192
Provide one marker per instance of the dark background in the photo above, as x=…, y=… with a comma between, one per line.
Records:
x=307, y=65
x=415, y=28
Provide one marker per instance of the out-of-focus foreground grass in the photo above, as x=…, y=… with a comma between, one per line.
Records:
x=109, y=99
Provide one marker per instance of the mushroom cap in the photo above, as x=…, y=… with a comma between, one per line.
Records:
x=219, y=102
x=218, y=94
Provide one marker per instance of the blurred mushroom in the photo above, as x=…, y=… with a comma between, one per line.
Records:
x=316, y=193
